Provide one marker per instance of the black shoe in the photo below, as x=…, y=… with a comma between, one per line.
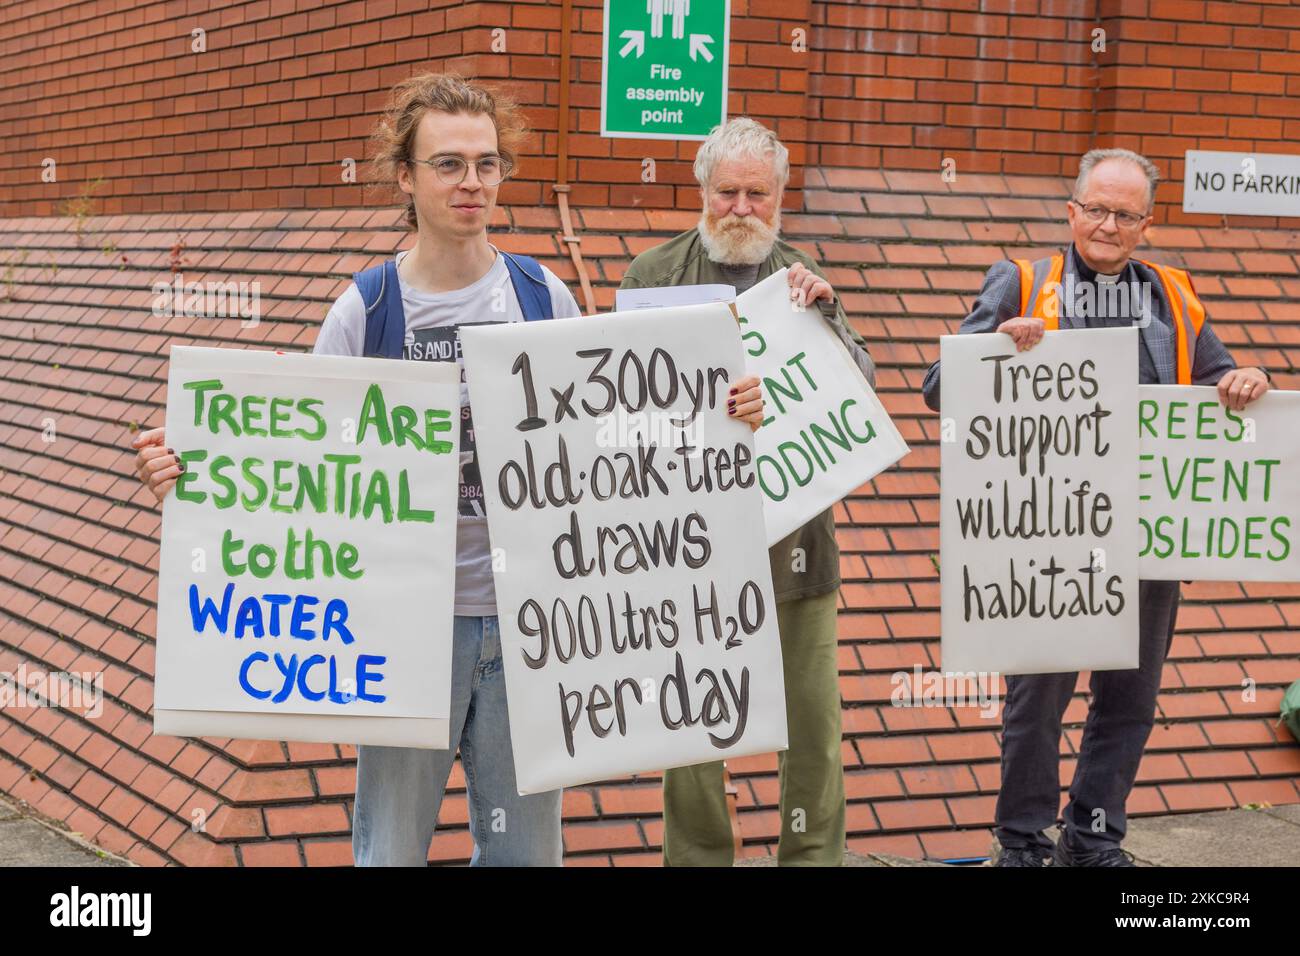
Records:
x=1063, y=855
x=1022, y=856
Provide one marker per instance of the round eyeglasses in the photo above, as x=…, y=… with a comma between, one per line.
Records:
x=452, y=170
x=1096, y=212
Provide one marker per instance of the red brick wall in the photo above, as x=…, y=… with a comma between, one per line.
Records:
x=264, y=117
x=1014, y=86
x=768, y=80
x=1189, y=74
x=287, y=89
x=903, y=86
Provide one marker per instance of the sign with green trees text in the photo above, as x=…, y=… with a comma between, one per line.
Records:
x=1219, y=490
x=307, y=569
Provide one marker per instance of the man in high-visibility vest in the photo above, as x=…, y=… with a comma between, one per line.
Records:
x=1095, y=283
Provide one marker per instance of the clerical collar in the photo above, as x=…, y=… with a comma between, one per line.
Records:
x=1087, y=274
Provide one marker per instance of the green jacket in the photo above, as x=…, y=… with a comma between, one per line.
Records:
x=812, y=548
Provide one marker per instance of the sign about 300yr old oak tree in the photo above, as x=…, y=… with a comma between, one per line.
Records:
x=638, y=627
x=1039, y=511
x=307, y=567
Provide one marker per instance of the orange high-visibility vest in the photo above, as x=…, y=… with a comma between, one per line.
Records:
x=1039, y=282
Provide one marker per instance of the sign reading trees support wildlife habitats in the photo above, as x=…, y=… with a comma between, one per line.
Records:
x=638, y=626
x=825, y=433
x=308, y=551
x=1038, y=502
x=1219, y=490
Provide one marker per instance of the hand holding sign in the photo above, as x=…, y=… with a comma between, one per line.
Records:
x=745, y=402
x=1026, y=331
x=825, y=433
x=806, y=286
x=1241, y=386
x=157, y=465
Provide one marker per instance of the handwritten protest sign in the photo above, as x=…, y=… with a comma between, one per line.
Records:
x=307, y=566
x=1219, y=490
x=638, y=627
x=1039, y=511
x=825, y=433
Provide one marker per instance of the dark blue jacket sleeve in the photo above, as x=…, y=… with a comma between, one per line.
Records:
x=1212, y=360
x=998, y=300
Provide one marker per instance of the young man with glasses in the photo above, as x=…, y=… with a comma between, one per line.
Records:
x=1111, y=208
x=447, y=144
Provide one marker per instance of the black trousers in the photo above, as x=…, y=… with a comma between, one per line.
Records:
x=1119, y=722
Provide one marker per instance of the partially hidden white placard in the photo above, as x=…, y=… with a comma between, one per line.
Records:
x=1038, y=502
x=307, y=571
x=638, y=627
x=1219, y=490
x=826, y=432
x=663, y=297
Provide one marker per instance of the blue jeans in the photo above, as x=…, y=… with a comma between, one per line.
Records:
x=399, y=789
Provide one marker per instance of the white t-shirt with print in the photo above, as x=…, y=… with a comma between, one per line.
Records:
x=431, y=323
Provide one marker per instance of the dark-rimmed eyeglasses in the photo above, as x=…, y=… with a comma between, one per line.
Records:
x=452, y=170
x=1096, y=212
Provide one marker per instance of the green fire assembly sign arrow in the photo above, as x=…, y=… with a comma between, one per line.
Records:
x=664, y=68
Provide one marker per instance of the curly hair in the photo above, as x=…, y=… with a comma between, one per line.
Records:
x=394, y=134
x=741, y=136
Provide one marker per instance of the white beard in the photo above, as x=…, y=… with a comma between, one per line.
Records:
x=739, y=246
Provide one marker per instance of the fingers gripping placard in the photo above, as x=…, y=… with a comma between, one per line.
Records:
x=638, y=626
x=826, y=432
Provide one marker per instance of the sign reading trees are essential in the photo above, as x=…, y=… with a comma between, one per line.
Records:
x=638, y=626
x=664, y=68
x=1219, y=490
x=307, y=567
x=1039, y=510
x=826, y=432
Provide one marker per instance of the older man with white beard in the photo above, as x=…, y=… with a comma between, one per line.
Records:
x=742, y=169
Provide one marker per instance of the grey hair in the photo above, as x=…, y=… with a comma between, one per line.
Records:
x=741, y=137
x=1094, y=156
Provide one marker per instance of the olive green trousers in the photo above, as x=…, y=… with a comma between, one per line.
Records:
x=697, y=828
